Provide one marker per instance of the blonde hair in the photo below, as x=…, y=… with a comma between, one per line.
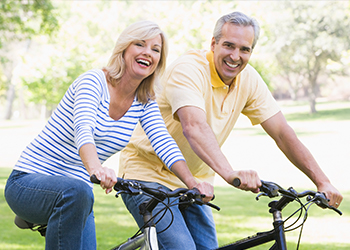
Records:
x=142, y=30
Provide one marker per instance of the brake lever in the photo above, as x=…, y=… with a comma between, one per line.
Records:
x=321, y=201
x=261, y=194
x=197, y=197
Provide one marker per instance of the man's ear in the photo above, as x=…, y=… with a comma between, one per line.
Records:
x=212, y=45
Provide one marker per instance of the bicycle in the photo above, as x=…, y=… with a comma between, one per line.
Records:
x=146, y=237
x=277, y=234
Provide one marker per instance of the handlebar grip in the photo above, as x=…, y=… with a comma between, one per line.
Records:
x=213, y=206
x=94, y=179
x=236, y=182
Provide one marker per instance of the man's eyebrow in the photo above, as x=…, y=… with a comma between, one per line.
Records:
x=246, y=48
x=227, y=42
x=233, y=44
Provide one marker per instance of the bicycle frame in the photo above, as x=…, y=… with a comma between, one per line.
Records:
x=145, y=241
x=277, y=235
x=148, y=239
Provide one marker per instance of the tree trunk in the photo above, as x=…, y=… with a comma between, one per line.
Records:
x=312, y=103
x=11, y=93
x=313, y=93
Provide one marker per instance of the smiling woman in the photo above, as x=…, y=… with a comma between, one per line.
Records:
x=136, y=36
x=94, y=120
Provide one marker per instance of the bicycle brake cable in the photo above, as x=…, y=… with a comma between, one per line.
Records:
x=154, y=216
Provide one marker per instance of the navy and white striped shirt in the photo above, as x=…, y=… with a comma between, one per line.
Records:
x=82, y=117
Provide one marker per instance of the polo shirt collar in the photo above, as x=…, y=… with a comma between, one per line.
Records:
x=215, y=78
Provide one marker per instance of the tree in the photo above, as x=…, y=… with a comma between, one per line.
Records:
x=308, y=37
x=19, y=21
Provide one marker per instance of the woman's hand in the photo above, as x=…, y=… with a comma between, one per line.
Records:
x=207, y=189
x=105, y=175
x=107, y=178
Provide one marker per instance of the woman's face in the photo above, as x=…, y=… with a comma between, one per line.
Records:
x=142, y=57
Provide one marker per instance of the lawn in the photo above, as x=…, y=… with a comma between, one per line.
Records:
x=326, y=134
x=240, y=216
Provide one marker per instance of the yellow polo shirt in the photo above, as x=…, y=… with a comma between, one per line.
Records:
x=192, y=80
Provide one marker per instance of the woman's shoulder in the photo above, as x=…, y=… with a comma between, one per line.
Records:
x=94, y=77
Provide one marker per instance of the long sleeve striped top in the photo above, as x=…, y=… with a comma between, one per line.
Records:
x=82, y=117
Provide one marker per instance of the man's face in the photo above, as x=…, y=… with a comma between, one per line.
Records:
x=232, y=52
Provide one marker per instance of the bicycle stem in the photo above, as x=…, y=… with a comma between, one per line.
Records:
x=278, y=225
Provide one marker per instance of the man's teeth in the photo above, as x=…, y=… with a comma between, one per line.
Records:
x=147, y=63
x=232, y=65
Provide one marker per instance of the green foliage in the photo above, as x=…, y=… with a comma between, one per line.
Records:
x=266, y=71
x=307, y=39
x=23, y=19
x=87, y=30
x=48, y=85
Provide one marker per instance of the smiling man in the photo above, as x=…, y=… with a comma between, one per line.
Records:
x=203, y=94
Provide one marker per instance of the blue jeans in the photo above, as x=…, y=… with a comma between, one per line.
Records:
x=63, y=203
x=192, y=228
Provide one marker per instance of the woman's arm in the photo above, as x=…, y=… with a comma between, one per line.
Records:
x=107, y=176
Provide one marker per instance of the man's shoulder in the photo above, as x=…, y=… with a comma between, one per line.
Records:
x=193, y=62
x=249, y=73
x=193, y=56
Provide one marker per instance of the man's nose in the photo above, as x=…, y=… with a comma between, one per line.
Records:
x=235, y=54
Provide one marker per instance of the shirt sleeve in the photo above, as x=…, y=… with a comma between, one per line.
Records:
x=162, y=142
x=260, y=105
x=87, y=94
x=184, y=87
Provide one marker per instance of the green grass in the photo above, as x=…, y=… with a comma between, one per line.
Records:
x=326, y=111
x=240, y=216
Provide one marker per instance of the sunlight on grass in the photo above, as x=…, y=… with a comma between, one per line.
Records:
x=334, y=111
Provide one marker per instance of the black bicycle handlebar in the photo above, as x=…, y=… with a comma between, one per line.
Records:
x=272, y=189
x=134, y=188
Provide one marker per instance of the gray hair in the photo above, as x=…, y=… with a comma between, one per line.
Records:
x=239, y=19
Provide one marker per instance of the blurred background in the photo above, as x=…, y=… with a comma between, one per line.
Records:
x=303, y=54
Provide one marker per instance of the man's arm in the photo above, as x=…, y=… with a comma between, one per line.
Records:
x=203, y=142
x=286, y=139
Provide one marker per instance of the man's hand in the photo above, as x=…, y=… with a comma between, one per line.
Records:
x=250, y=180
x=334, y=196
